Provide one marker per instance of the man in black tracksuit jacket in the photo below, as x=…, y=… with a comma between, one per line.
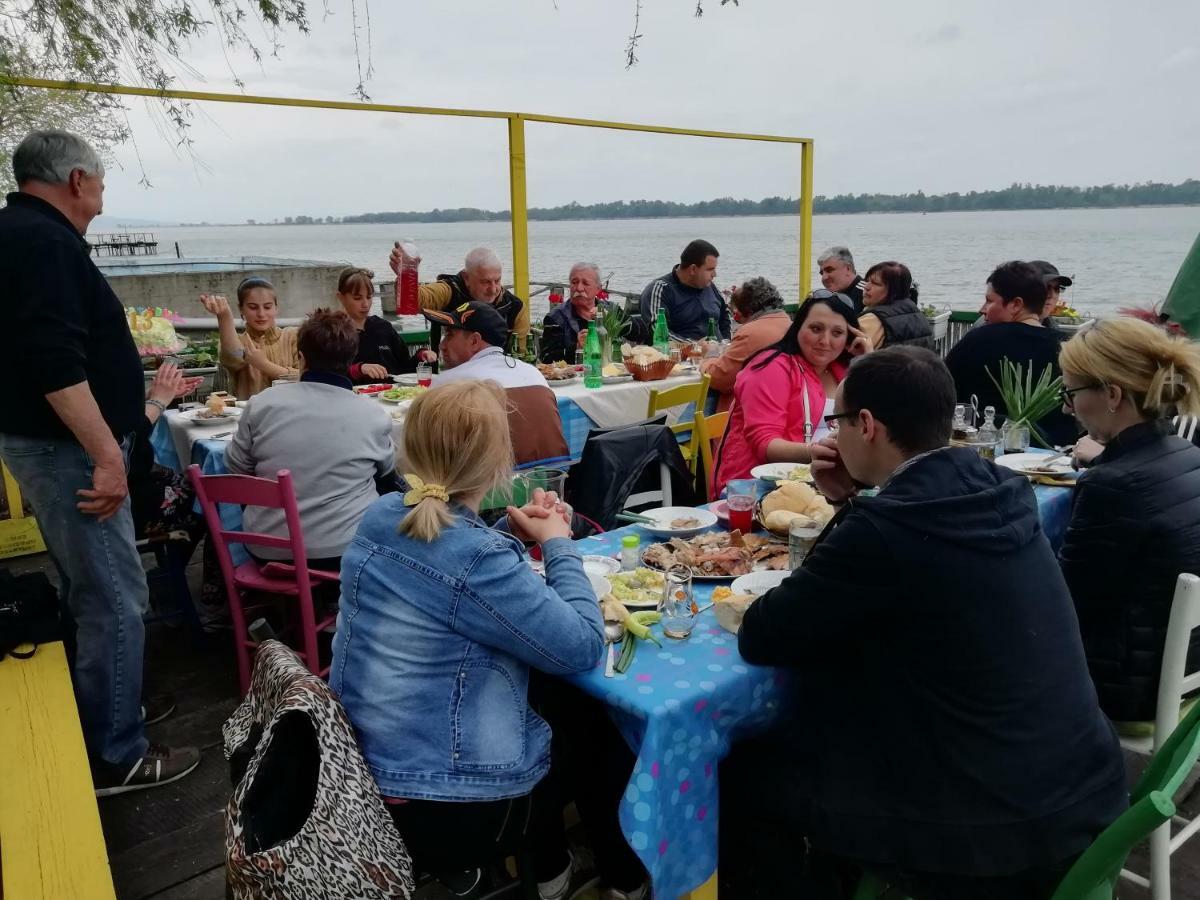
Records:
x=944, y=732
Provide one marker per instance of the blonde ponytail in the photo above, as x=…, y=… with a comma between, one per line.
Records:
x=457, y=447
x=1159, y=372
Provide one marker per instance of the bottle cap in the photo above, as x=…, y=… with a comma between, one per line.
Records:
x=630, y=540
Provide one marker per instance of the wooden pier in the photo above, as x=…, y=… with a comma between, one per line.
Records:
x=124, y=243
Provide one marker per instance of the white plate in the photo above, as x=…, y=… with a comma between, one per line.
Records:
x=758, y=583
x=601, y=565
x=563, y=382
x=618, y=379
x=405, y=380
x=778, y=471
x=1031, y=464
x=193, y=416
x=664, y=514
x=600, y=585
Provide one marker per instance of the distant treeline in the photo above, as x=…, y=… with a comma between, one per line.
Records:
x=1017, y=196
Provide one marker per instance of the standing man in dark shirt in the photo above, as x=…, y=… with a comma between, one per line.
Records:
x=836, y=268
x=1012, y=305
x=71, y=398
x=688, y=295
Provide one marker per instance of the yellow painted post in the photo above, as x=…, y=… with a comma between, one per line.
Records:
x=520, y=220
x=806, y=213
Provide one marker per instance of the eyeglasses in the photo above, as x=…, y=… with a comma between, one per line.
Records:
x=832, y=420
x=1067, y=395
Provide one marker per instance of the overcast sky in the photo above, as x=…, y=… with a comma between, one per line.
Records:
x=927, y=94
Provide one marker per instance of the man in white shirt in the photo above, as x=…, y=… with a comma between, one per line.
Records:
x=472, y=346
x=473, y=337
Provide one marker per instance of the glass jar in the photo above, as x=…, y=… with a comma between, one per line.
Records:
x=630, y=544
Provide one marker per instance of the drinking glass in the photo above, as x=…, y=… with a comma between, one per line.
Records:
x=676, y=355
x=1015, y=437
x=802, y=535
x=579, y=357
x=424, y=374
x=678, y=604
x=740, y=498
x=547, y=479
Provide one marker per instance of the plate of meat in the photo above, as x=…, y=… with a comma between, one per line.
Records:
x=718, y=556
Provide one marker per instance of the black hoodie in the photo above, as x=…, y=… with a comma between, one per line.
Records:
x=944, y=720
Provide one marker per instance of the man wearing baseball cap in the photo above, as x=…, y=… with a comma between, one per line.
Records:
x=1055, y=283
x=472, y=346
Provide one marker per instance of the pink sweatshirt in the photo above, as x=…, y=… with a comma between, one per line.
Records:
x=769, y=404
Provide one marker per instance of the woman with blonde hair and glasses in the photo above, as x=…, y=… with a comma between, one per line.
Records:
x=1135, y=525
x=441, y=621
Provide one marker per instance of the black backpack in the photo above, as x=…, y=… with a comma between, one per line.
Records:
x=30, y=613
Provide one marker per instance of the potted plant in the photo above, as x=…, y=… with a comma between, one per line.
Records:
x=938, y=318
x=1025, y=401
x=615, y=323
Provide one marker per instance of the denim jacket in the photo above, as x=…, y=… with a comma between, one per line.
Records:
x=433, y=648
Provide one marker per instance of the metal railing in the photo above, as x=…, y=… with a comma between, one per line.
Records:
x=516, y=154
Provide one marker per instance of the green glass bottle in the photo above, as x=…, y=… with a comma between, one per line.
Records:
x=712, y=330
x=662, y=337
x=593, y=364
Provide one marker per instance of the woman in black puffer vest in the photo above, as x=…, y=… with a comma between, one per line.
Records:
x=891, y=315
x=1135, y=525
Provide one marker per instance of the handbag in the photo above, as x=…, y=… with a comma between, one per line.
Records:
x=30, y=613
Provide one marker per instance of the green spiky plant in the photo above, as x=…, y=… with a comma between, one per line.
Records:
x=1025, y=400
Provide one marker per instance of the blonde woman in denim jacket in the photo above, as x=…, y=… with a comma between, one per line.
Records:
x=441, y=621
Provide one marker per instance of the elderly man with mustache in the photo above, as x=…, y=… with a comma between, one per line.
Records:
x=565, y=327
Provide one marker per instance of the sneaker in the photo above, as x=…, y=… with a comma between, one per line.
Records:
x=580, y=876
x=642, y=893
x=155, y=709
x=161, y=765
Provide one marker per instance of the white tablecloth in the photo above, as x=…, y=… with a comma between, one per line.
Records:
x=613, y=405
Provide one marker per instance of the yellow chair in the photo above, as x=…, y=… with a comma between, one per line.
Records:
x=677, y=396
x=709, y=429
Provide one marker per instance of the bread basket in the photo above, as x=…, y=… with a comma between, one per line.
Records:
x=654, y=372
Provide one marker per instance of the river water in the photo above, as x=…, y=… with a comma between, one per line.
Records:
x=1118, y=257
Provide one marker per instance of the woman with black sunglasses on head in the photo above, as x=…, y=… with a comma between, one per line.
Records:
x=264, y=351
x=783, y=392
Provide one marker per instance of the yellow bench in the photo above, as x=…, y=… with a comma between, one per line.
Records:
x=51, y=844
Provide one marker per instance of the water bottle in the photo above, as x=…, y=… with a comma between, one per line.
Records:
x=407, y=283
x=593, y=365
x=662, y=337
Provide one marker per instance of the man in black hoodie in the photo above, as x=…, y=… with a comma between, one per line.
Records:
x=944, y=732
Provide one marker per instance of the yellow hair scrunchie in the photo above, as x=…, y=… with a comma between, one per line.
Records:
x=421, y=490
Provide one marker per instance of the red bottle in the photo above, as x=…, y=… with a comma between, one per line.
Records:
x=407, y=284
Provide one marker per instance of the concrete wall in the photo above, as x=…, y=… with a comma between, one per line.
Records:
x=300, y=288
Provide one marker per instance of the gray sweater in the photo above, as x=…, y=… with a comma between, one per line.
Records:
x=333, y=442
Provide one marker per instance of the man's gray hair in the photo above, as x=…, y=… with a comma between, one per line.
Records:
x=51, y=157
x=482, y=258
x=585, y=265
x=841, y=253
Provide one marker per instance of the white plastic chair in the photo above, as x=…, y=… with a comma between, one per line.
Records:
x=662, y=495
x=1185, y=427
x=1174, y=683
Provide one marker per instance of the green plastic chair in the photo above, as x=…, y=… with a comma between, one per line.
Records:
x=1095, y=874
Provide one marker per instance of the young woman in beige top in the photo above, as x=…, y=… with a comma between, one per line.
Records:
x=263, y=352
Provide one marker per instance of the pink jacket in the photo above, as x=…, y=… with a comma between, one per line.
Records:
x=769, y=404
x=749, y=339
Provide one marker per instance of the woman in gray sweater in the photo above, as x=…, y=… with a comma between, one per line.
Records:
x=337, y=445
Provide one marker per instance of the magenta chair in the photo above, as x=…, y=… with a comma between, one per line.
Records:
x=273, y=578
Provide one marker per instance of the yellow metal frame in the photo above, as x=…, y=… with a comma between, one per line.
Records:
x=516, y=154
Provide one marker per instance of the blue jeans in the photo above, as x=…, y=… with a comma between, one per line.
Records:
x=104, y=588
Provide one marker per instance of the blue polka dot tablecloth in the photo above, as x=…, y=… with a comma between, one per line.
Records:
x=679, y=708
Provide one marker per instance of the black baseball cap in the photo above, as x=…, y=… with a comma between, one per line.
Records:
x=474, y=315
x=1049, y=273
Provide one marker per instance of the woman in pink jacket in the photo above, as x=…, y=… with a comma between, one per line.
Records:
x=762, y=322
x=784, y=392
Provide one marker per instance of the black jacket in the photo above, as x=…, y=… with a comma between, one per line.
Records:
x=63, y=326
x=507, y=304
x=903, y=323
x=560, y=332
x=381, y=344
x=1134, y=528
x=981, y=350
x=944, y=720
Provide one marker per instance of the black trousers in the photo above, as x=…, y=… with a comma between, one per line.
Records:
x=591, y=766
x=764, y=851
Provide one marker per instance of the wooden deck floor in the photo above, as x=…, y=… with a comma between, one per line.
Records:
x=168, y=843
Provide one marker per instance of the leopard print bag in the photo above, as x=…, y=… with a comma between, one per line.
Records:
x=306, y=819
